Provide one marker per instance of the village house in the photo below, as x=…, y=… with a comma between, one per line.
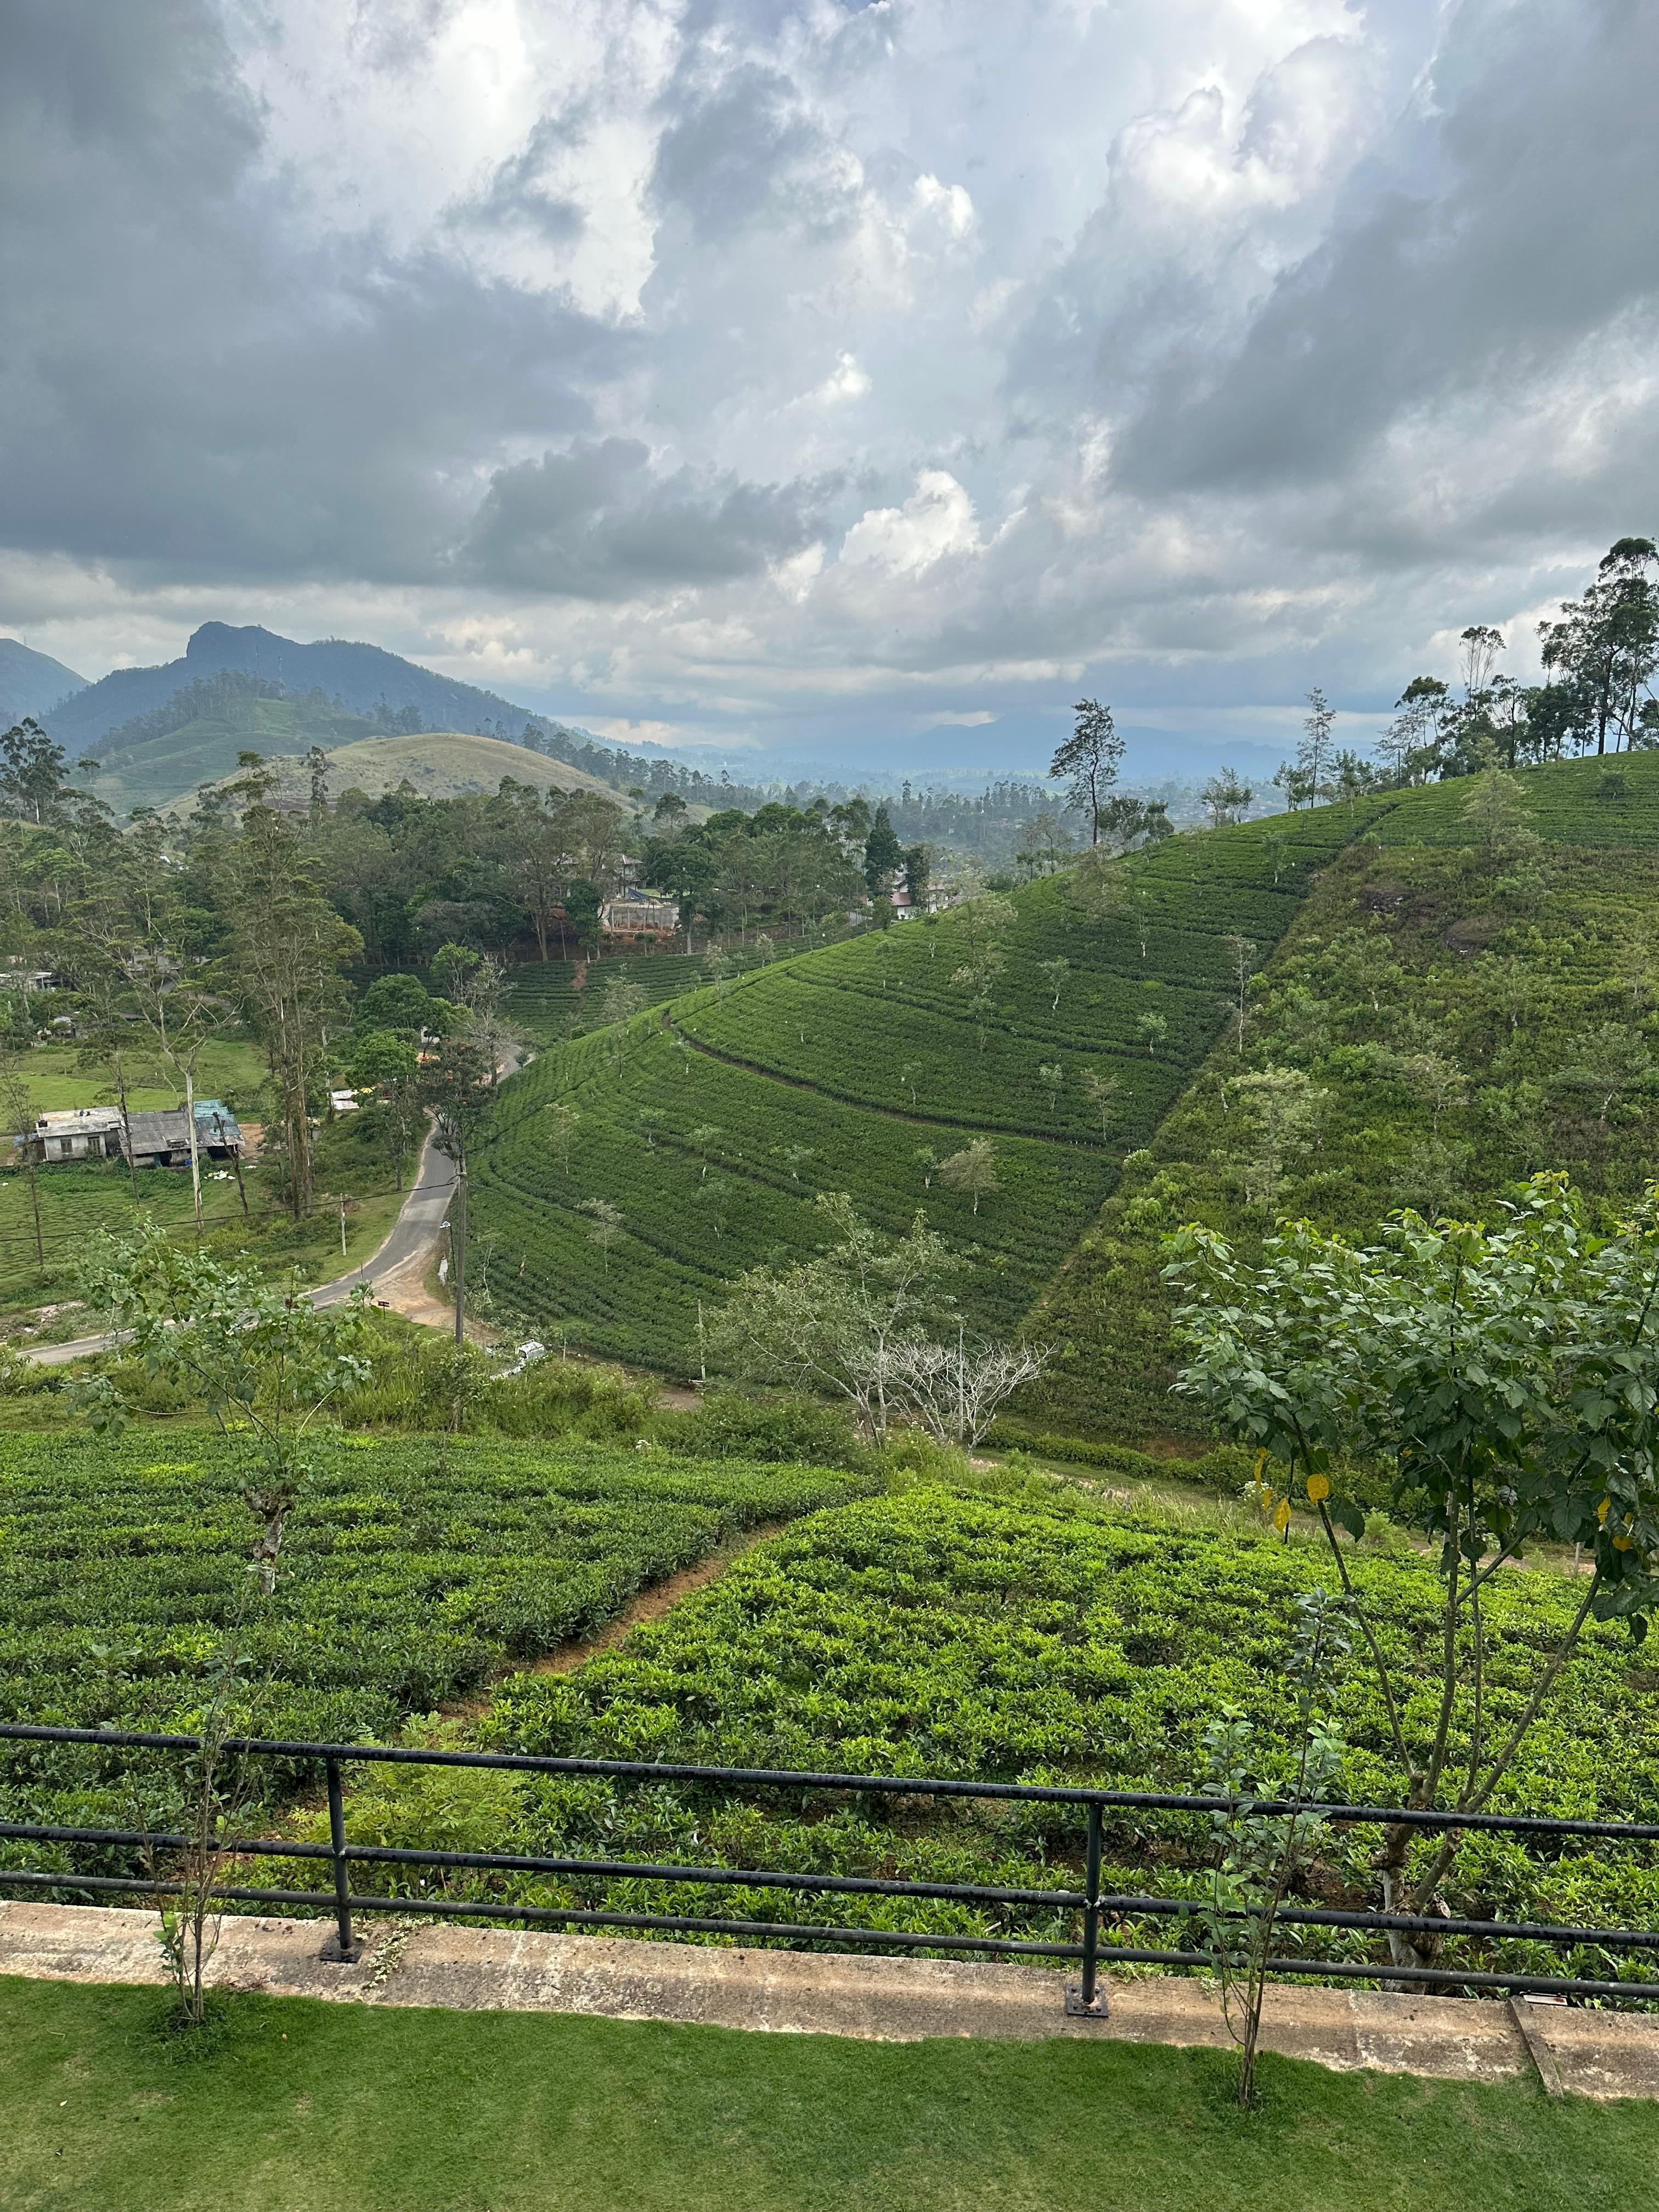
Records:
x=79, y=1133
x=161, y=1140
x=634, y=917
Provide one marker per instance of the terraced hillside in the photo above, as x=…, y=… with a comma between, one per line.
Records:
x=1456, y=1005
x=548, y=998
x=710, y=1125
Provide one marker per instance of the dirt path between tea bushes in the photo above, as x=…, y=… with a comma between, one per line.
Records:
x=646, y=1605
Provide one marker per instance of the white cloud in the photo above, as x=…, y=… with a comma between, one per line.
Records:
x=936, y=518
x=681, y=367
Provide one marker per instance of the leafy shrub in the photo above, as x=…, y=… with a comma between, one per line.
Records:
x=939, y=1634
x=729, y=1425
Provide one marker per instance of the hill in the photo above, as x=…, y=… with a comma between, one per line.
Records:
x=159, y=765
x=32, y=682
x=440, y=764
x=712, y=1123
x=355, y=680
x=1467, y=997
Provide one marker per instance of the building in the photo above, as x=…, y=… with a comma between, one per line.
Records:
x=635, y=917
x=163, y=1139
x=80, y=1132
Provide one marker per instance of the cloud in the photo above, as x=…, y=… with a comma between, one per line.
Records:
x=596, y=523
x=760, y=368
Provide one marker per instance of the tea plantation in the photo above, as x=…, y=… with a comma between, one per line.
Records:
x=1456, y=1020
x=710, y=1125
x=1044, y=1638
x=414, y=1570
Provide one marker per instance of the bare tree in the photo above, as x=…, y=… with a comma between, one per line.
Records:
x=954, y=1390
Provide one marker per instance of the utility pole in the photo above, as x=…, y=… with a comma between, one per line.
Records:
x=457, y=1241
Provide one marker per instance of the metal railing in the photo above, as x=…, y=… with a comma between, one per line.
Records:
x=1093, y=1906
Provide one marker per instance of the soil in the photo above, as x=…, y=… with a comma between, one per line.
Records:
x=644, y=1607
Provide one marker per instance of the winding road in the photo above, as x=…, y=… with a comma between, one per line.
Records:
x=404, y=1253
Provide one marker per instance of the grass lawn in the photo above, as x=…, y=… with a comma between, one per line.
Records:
x=231, y=1070
x=291, y=2105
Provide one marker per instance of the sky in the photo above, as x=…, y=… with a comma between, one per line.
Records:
x=857, y=384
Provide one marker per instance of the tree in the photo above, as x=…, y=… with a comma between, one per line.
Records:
x=955, y=1390
x=267, y=1364
x=1258, y=1854
x=1606, y=647
x=399, y=1002
x=1481, y=645
x=622, y=1001
x=285, y=950
x=388, y=1064
x=1125, y=822
x=1510, y=1378
x=456, y=1087
x=1494, y=813
x=1102, y=1092
x=31, y=772
x=19, y=1114
x=837, y=1323
x=1151, y=1030
x=884, y=856
x=1610, y=1062
x=1314, y=755
x=140, y=955
x=917, y=861
x=1052, y=1076
x=563, y=1121
x=1087, y=762
x=1280, y=1109
x=1240, y=955
x=1227, y=799
x=972, y=1171
x=1053, y=974
x=606, y=1218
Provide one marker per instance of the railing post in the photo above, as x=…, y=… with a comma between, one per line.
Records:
x=1084, y=2000
x=341, y=1948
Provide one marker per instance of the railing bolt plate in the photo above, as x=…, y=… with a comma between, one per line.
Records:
x=1075, y=2007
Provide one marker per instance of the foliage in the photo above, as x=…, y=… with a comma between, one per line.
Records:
x=837, y=1068
x=1045, y=1637
x=1510, y=1378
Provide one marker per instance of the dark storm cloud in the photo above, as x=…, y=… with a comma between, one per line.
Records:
x=194, y=383
x=1539, y=230
x=594, y=523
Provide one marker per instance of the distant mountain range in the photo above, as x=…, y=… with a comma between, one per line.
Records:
x=160, y=733
x=32, y=682
x=360, y=679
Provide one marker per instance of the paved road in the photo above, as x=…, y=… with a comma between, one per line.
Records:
x=413, y=1234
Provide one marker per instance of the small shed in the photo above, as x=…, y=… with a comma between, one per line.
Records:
x=163, y=1139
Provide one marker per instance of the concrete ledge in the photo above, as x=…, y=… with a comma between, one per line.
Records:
x=1594, y=2054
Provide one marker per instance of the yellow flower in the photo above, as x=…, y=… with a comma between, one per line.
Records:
x=1319, y=1489
x=1282, y=1514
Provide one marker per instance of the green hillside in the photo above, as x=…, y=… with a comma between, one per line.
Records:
x=1451, y=1015
x=711, y=1126
x=161, y=769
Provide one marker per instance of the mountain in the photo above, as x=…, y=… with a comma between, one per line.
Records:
x=362, y=679
x=32, y=682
